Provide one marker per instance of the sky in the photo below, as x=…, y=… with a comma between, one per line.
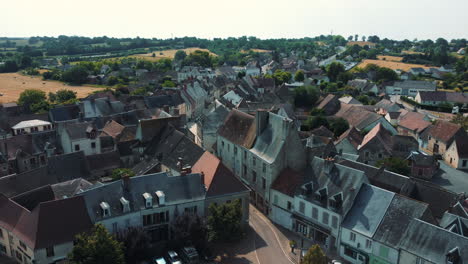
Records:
x=395, y=19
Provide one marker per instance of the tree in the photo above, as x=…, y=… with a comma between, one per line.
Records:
x=313, y=122
x=10, y=66
x=299, y=76
x=63, y=96
x=97, y=246
x=305, y=96
x=395, y=164
x=338, y=126
x=460, y=120
x=281, y=77
x=180, y=55
x=32, y=99
x=386, y=74
x=344, y=77
x=189, y=229
x=356, y=37
x=168, y=83
x=334, y=69
x=224, y=221
x=136, y=242
x=314, y=255
x=364, y=99
x=121, y=172
x=76, y=75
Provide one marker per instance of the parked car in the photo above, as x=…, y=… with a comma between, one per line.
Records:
x=173, y=258
x=159, y=261
x=190, y=255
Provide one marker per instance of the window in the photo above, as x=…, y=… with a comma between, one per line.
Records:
x=350, y=253
x=352, y=236
x=380, y=155
x=244, y=171
x=50, y=251
x=191, y=210
x=325, y=217
x=19, y=256
x=2, y=249
x=275, y=199
x=264, y=167
x=235, y=150
x=222, y=143
x=368, y=243
x=263, y=183
x=301, y=207
x=229, y=149
x=245, y=154
x=77, y=147
x=43, y=160
x=420, y=172
x=383, y=252
x=301, y=228
x=93, y=144
x=334, y=222
x=464, y=163
x=367, y=154
x=254, y=161
x=314, y=213
x=289, y=205
x=254, y=176
x=32, y=161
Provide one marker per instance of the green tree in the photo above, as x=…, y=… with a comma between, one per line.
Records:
x=189, y=229
x=64, y=96
x=344, y=77
x=314, y=255
x=168, y=83
x=121, y=172
x=313, y=122
x=76, y=75
x=10, y=66
x=395, y=164
x=460, y=120
x=305, y=96
x=97, y=246
x=281, y=77
x=33, y=99
x=334, y=69
x=180, y=55
x=364, y=99
x=338, y=126
x=299, y=76
x=386, y=74
x=136, y=242
x=224, y=221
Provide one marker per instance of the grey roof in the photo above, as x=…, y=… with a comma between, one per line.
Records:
x=64, y=113
x=101, y=107
x=177, y=189
x=433, y=243
x=160, y=101
x=78, y=130
x=416, y=85
x=455, y=224
x=370, y=206
x=68, y=166
x=399, y=214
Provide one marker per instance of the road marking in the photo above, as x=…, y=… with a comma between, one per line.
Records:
x=276, y=236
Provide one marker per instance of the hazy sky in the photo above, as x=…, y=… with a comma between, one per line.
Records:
x=397, y=19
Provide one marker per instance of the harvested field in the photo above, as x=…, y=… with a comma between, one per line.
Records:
x=411, y=52
x=389, y=58
x=256, y=50
x=392, y=65
x=12, y=84
x=167, y=54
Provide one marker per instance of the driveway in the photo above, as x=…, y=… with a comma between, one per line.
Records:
x=451, y=179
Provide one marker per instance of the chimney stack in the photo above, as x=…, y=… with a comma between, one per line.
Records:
x=203, y=179
x=126, y=182
x=180, y=163
x=328, y=165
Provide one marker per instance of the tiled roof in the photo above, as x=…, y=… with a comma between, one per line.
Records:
x=330, y=104
x=444, y=131
x=414, y=121
x=239, y=128
x=288, y=181
x=322, y=131
x=219, y=180
x=113, y=129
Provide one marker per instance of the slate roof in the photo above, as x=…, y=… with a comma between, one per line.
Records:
x=369, y=208
x=78, y=130
x=104, y=161
x=159, y=101
x=64, y=113
x=67, y=167
x=388, y=105
x=416, y=85
x=461, y=142
x=454, y=223
x=349, y=100
x=153, y=127
x=219, y=180
x=399, y=214
x=433, y=243
x=177, y=189
x=322, y=131
x=439, y=96
x=238, y=128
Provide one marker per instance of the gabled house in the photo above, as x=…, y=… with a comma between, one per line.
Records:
x=80, y=137
x=409, y=87
x=349, y=141
x=194, y=96
x=437, y=138
x=210, y=122
x=456, y=155
x=412, y=124
x=364, y=86
x=422, y=166
x=363, y=119
x=330, y=104
x=440, y=97
x=31, y=126
x=253, y=69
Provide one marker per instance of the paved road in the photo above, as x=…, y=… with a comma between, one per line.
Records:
x=268, y=241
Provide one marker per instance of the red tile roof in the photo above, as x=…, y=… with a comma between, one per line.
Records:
x=287, y=181
x=414, y=121
x=444, y=131
x=113, y=129
x=219, y=180
x=380, y=133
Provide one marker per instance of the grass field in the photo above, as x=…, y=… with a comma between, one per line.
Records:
x=12, y=84
x=166, y=54
x=22, y=42
x=411, y=52
x=392, y=65
x=256, y=50
x=389, y=58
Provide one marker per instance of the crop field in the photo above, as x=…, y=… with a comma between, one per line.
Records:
x=411, y=52
x=389, y=58
x=392, y=65
x=167, y=54
x=12, y=84
x=256, y=50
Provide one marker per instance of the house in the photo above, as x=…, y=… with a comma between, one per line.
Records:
x=210, y=122
x=193, y=72
x=388, y=106
x=409, y=87
x=422, y=166
x=392, y=117
x=222, y=186
x=363, y=85
x=349, y=141
x=322, y=131
x=31, y=126
x=252, y=69
x=258, y=148
x=227, y=71
x=64, y=113
x=461, y=51
x=427, y=243
x=412, y=124
x=321, y=204
x=363, y=119
x=438, y=97
x=232, y=98
x=349, y=100
x=105, y=106
x=194, y=96
x=330, y=104
x=436, y=139
x=457, y=153
x=80, y=137
x=361, y=223
x=173, y=104
x=417, y=71
x=319, y=146
x=380, y=144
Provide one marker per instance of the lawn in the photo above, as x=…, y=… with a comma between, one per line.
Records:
x=167, y=54
x=392, y=65
x=389, y=58
x=12, y=84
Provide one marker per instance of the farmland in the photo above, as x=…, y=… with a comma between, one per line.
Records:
x=389, y=58
x=12, y=84
x=256, y=50
x=391, y=64
x=166, y=54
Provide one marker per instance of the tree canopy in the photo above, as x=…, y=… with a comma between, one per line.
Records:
x=395, y=164
x=299, y=76
x=306, y=96
x=224, y=221
x=34, y=100
x=314, y=255
x=334, y=69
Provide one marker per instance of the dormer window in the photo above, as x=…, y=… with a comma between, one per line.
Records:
x=336, y=201
x=125, y=205
x=105, y=209
x=453, y=256
x=161, y=198
x=321, y=195
x=148, y=200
